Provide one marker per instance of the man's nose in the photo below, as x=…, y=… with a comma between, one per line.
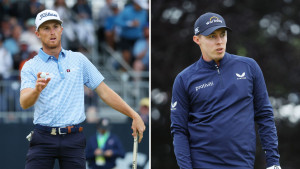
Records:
x=219, y=39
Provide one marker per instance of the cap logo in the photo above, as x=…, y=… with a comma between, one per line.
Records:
x=196, y=30
x=213, y=19
x=47, y=14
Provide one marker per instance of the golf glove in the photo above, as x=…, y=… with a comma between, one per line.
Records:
x=274, y=167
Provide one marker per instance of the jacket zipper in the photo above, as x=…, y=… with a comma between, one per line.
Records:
x=219, y=74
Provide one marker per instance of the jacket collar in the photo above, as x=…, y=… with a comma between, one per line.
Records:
x=212, y=64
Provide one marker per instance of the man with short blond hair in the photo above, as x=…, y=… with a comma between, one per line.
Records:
x=53, y=81
x=216, y=103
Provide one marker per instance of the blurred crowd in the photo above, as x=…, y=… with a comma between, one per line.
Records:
x=123, y=29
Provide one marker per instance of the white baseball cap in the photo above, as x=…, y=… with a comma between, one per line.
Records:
x=46, y=15
x=142, y=3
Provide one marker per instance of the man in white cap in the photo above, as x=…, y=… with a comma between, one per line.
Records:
x=53, y=81
x=142, y=3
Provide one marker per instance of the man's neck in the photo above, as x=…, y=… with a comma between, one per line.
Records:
x=207, y=59
x=53, y=52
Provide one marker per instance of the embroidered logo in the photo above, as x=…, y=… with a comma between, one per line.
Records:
x=242, y=76
x=196, y=30
x=213, y=19
x=47, y=14
x=173, y=105
x=72, y=69
x=205, y=85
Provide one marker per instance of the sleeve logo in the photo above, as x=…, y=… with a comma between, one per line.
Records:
x=173, y=105
x=197, y=30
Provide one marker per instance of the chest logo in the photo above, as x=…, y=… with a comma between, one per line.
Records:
x=241, y=76
x=72, y=69
x=205, y=85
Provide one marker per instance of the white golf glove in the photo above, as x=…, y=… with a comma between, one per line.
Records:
x=274, y=167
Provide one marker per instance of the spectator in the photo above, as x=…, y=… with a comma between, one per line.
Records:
x=29, y=36
x=6, y=61
x=23, y=10
x=105, y=12
x=92, y=115
x=31, y=54
x=69, y=36
x=23, y=54
x=12, y=43
x=6, y=27
x=111, y=30
x=103, y=148
x=5, y=6
x=35, y=8
x=131, y=21
x=90, y=98
x=144, y=109
x=141, y=53
x=82, y=9
x=84, y=29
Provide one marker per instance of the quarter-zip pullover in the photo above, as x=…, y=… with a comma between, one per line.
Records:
x=213, y=113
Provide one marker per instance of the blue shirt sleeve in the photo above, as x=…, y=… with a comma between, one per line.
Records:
x=265, y=119
x=28, y=78
x=139, y=46
x=122, y=20
x=91, y=76
x=179, y=123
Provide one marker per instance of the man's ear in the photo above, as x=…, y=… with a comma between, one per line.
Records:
x=37, y=34
x=196, y=39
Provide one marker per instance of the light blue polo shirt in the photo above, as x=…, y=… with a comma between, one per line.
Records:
x=61, y=103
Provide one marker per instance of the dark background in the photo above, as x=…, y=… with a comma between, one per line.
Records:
x=267, y=31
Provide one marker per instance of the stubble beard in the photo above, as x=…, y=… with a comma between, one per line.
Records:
x=52, y=46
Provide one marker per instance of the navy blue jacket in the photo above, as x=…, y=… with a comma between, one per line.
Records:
x=213, y=114
x=113, y=143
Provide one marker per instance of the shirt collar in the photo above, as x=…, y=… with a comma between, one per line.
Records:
x=45, y=57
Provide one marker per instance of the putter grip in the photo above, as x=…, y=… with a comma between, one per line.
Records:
x=135, y=149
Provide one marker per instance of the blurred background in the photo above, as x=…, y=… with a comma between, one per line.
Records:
x=267, y=31
x=95, y=28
